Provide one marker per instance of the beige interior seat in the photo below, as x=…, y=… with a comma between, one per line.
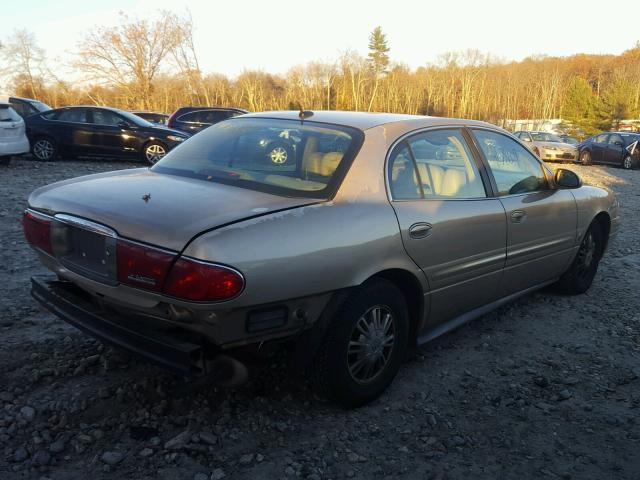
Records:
x=322, y=164
x=453, y=182
x=431, y=175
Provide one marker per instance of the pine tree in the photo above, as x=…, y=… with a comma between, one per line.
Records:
x=378, y=52
x=378, y=59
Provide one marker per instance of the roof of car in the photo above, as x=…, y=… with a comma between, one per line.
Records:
x=365, y=120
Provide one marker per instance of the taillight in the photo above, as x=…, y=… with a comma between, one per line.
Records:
x=37, y=231
x=141, y=266
x=200, y=281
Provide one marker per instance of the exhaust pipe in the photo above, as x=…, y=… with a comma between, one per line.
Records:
x=226, y=371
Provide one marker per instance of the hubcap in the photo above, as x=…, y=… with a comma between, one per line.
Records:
x=586, y=254
x=43, y=149
x=627, y=163
x=278, y=155
x=155, y=153
x=371, y=344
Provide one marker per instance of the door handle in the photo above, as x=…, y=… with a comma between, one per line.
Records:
x=420, y=230
x=518, y=216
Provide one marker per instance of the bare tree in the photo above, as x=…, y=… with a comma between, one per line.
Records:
x=24, y=62
x=130, y=55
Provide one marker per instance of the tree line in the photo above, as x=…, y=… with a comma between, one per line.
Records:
x=153, y=65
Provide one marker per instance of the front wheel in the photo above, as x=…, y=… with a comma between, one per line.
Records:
x=579, y=277
x=585, y=157
x=153, y=152
x=44, y=149
x=364, y=346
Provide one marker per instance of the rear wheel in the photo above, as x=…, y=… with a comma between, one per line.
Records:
x=585, y=157
x=628, y=163
x=579, y=277
x=153, y=152
x=44, y=149
x=364, y=346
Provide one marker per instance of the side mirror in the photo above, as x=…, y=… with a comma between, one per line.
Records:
x=564, y=178
x=618, y=143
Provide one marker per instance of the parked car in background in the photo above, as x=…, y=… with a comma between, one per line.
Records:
x=13, y=138
x=195, y=119
x=25, y=106
x=99, y=131
x=569, y=139
x=613, y=148
x=153, y=117
x=548, y=146
x=380, y=232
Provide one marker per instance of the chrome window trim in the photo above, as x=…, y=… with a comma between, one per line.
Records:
x=387, y=182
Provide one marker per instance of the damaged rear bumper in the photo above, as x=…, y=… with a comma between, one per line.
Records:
x=70, y=304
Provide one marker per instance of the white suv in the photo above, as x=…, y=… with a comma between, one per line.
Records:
x=13, y=137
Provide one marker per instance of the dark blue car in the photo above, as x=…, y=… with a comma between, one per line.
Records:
x=612, y=148
x=194, y=119
x=98, y=131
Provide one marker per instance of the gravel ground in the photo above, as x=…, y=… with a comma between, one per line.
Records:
x=547, y=387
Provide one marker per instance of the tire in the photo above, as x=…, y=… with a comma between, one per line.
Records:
x=341, y=369
x=585, y=157
x=279, y=153
x=44, y=149
x=628, y=163
x=5, y=159
x=579, y=277
x=153, y=151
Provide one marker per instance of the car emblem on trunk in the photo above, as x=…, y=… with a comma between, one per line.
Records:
x=146, y=197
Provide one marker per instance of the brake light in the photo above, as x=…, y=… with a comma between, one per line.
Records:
x=37, y=231
x=141, y=266
x=199, y=281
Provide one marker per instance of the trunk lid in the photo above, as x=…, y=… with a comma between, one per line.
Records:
x=159, y=209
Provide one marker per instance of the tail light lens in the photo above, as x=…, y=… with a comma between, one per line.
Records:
x=37, y=231
x=141, y=266
x=199, y=281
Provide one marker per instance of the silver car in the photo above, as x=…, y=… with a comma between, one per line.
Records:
x=378, y=233
x=548, y=146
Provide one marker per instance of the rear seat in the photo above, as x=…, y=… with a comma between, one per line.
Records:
x=444, y=182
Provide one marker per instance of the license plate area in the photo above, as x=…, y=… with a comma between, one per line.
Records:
x=87, y=252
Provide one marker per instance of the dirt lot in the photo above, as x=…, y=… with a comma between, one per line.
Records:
x=548, y=387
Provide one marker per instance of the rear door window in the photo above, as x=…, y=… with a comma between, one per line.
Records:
x=446, y=167
x=105, y=117
x=8, y=114
x=74, y=115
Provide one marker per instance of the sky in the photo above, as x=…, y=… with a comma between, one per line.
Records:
x=274, y=35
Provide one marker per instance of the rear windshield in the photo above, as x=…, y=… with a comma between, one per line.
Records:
x=284, y=157
x=8, y=114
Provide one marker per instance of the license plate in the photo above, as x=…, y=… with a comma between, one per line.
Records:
x=86, y=252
